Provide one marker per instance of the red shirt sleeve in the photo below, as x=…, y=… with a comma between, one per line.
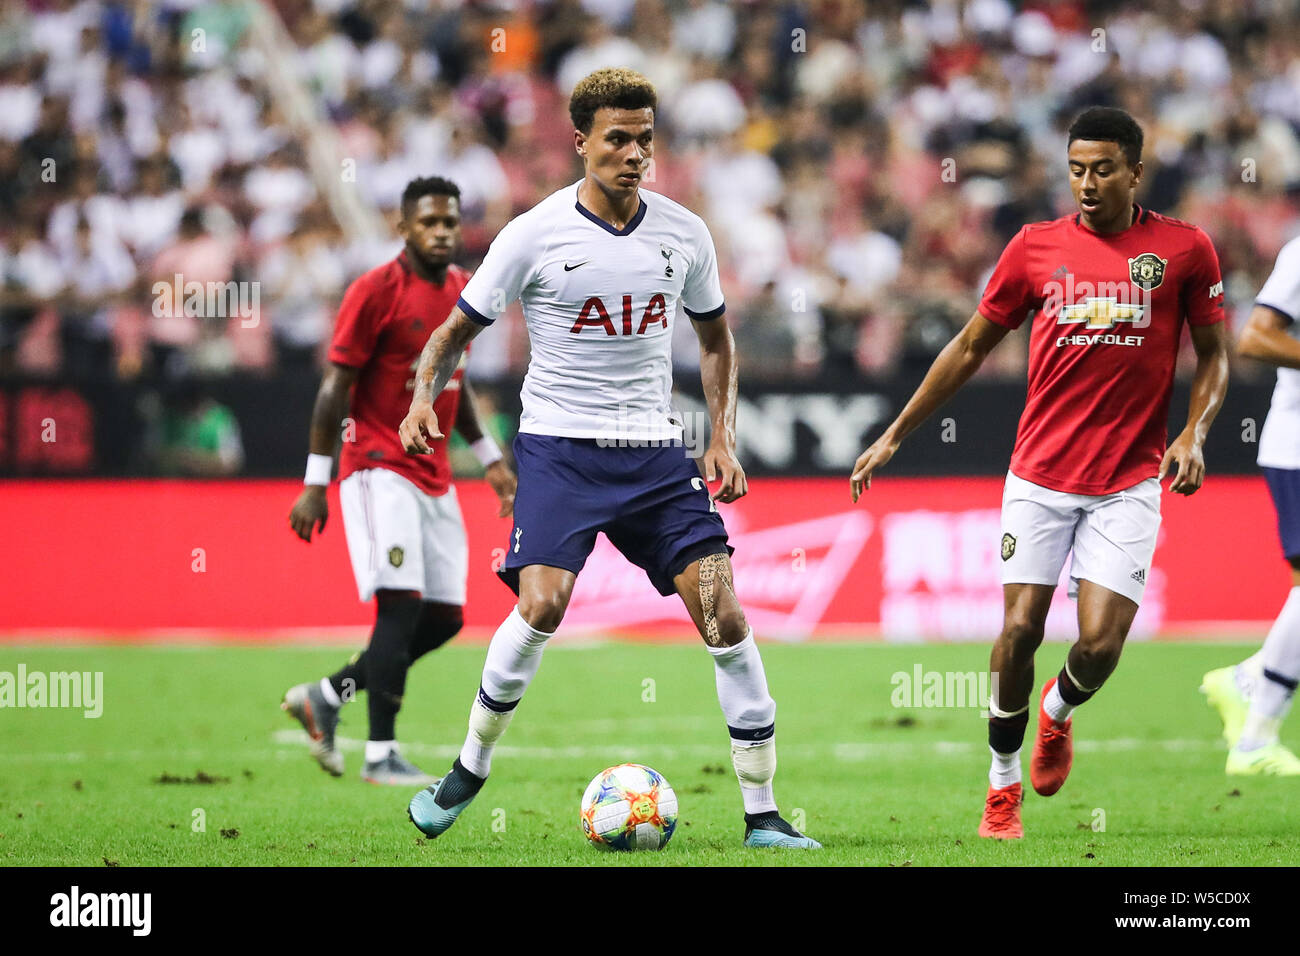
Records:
x=1008, y=297
x=1203, y=288
x=356, y=330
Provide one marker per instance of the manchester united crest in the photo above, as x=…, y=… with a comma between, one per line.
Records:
x=395, y=556
x=1147, y=271
x=1008, y=547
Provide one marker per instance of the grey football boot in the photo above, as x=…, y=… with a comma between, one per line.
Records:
x=319, y=718
x=397, y=770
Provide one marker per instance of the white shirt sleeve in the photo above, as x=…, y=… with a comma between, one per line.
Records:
x=1282, y=290
x=504, y=273
x=702, y=291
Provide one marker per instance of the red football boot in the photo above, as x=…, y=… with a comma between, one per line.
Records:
x=1053, y=750
x=1002, y=813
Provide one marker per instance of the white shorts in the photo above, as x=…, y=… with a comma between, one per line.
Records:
x=1113, y=536
x=402, y=538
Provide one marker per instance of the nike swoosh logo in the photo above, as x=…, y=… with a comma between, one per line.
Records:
x=569, y=268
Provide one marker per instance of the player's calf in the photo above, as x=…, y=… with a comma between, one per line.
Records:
x=750, y=712
x=388, y=658
x=513, y=658
x=1105, y=617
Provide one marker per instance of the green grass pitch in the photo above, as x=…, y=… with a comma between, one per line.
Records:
x=878, y=785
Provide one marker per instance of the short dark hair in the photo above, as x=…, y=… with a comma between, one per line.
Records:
x=1111, y=125
x=428, y=186
x=616, y=88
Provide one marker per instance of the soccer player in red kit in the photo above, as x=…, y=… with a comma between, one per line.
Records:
x=1109, y=288
x=404, y=530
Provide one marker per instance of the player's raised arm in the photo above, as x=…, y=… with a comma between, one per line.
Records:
x=437, y=364
x=719, y=376
x=498, y=474
x=311, y=510
x=952, y=367
x=1208, y=390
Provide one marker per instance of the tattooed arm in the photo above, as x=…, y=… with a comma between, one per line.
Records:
x=438, y=363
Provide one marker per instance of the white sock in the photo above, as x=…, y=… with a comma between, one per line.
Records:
x=750, y=713
x=513, y=658
x=742, y=687
x=377, y=750
x=1248, y=674
x=1056, y=706
x=327, y=690
x=1005, y=770
x=1270, y=699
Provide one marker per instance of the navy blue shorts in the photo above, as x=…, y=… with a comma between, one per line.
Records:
x=651, y=503
x=1284, y=485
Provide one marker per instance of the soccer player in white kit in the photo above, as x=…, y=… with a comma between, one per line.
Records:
x=1254, y=696
x=604, y=270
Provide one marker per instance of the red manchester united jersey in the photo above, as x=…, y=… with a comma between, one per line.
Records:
x=383, y=324
x=1108, y=315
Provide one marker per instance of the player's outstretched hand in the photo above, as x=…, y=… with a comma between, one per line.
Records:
x=502, y=479
x=722, y=463
x=309, y=511
x=418, y=428
x=876, y=456
x=1185, y=451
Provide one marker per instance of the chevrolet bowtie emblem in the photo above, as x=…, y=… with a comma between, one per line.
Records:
x=1097, y=313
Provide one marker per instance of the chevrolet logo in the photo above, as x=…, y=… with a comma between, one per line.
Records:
x=1097, y=313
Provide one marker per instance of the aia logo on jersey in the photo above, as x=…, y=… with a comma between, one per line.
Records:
x=595, y=315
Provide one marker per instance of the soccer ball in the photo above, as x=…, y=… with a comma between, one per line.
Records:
x=629, y=807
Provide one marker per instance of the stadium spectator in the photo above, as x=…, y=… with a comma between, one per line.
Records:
x=871, y=160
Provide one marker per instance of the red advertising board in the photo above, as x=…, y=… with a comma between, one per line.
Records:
x=915, y=559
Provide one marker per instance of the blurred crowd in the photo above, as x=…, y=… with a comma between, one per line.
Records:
x=860, y=165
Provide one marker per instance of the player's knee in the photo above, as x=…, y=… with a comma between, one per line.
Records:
x=1022, y=632
x=1097, y=652
x=397, y=620
x=543, y=608
x=440, y=619
x=732, y=626
x=439, y=623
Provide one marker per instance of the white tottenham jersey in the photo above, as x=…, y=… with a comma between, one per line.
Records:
x=600, y=304
x=1279, y=439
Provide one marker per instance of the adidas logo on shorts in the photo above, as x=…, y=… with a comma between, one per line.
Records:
x=1140, y=576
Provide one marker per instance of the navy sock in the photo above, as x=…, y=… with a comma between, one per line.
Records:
x=1007, y=734
x=1070, y=692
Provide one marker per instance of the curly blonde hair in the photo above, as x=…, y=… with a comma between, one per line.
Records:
x=616, y=88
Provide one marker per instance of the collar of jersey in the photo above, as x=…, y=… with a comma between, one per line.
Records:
x=626, y=230
x=1138, y=219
